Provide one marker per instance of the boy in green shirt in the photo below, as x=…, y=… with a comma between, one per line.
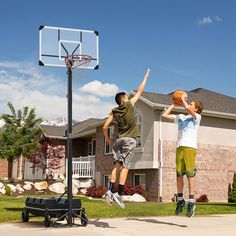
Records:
x=123, y=148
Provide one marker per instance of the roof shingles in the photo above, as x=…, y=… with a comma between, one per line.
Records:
x=211, y=101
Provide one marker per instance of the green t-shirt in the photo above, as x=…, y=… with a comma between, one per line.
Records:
x=124, y=115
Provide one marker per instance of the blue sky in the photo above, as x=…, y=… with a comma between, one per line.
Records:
x=187, y=44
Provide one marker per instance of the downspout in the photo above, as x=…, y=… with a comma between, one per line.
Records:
x=161, y=157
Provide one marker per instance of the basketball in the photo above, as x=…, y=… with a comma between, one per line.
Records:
x=176, y=97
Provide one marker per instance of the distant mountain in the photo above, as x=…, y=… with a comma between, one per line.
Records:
x=61, y=121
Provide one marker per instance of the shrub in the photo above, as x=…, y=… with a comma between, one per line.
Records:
x=8, y=191
x=202, y=198
x=128, y=190
x=96, y=192
x=132, y=189
x=232, y=193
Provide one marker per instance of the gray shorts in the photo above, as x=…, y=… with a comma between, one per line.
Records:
x=123, y=150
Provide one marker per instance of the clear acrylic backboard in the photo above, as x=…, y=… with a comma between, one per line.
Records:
x=56, y=43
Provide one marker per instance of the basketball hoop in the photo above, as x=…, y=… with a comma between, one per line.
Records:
x=78, y=61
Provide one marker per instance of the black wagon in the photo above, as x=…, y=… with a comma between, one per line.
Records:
x=50, y=208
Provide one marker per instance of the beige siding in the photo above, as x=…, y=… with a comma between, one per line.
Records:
x=143, y=157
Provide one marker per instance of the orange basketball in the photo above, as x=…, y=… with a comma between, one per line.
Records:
x=176, y=96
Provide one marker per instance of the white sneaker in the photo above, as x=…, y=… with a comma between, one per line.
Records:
x=119, y=200
x=109, y=198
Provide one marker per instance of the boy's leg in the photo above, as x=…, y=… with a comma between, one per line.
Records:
x=109, y=194
x=191, y=204
x=180, y=184
x=115, y=171
x=118, y=195
x=180, y=172
x=180, y=197
x=191, y=172
x=127, y=151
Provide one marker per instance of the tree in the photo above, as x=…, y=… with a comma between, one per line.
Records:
x=19, y=138
x=48, y=156
x=232, y=194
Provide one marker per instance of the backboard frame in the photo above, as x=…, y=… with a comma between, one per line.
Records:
x=64, y=46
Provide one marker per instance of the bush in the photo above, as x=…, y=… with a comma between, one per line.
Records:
x=132, y=189
x=8, y=191
x=96, y=192
x=128, y=190
x=202, y=198
x=232, y=193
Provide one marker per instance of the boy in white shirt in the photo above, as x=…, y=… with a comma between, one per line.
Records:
x=186, y=149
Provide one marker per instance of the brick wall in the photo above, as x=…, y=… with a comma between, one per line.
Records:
x=4, y=169
x=216, y=165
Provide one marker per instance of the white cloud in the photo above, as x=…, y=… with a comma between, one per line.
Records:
x=99, y=89
x=23, y=68
x=26, y=86
x=208, y=20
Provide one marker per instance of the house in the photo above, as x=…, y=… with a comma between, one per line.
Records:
x=153, y=164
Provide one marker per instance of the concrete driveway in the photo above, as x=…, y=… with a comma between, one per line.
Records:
x=218, y=225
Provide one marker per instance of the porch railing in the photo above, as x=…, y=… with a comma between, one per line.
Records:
x=83, y=167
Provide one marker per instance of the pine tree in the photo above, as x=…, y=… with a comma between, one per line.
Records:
x=232, y=197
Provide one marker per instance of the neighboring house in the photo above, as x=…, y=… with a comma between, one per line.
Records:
x=153, y=164
x=58, y=136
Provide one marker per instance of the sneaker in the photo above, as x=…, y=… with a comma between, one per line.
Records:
x=109, y=198
x=119, y=200
x=191, y=209
x=179, y=207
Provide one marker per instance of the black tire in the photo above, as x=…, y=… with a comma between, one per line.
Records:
x=84, y=219
x=47, y=221
x=25, y=216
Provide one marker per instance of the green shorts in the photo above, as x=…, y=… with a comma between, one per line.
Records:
x=185, y=161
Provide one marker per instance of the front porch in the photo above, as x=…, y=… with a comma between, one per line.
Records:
x=83, y=167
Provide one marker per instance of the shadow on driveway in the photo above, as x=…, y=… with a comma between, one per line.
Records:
x=157, y=222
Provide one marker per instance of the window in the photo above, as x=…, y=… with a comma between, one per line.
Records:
x=89, y=148
x=106, y=181
x=139, y=179
x=92, y=148
x=108, y=147
x=139, y=124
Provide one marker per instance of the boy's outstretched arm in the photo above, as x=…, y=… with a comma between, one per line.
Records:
x=167, y=114
x=105, y=128
x=134, y=99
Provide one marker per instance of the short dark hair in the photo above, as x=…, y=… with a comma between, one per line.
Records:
x=119, y=96
x=199, y=106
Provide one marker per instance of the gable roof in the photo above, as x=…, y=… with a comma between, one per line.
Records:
x=85, y=127
x=80, y=129
x=214, y=103
x=56, y=132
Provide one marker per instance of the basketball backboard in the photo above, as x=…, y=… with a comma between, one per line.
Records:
x=55, y=43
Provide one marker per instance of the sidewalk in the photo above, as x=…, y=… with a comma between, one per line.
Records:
x=218, y=225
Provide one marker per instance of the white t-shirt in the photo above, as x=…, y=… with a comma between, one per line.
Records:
x=187, y=130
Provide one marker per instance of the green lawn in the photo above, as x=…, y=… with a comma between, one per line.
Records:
x=11, y=208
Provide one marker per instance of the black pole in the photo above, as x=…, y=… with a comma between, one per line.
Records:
x=69, y=145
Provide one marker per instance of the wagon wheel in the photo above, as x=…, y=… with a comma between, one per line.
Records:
x=47, y=221
x=84, y=219
x=25, y=216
